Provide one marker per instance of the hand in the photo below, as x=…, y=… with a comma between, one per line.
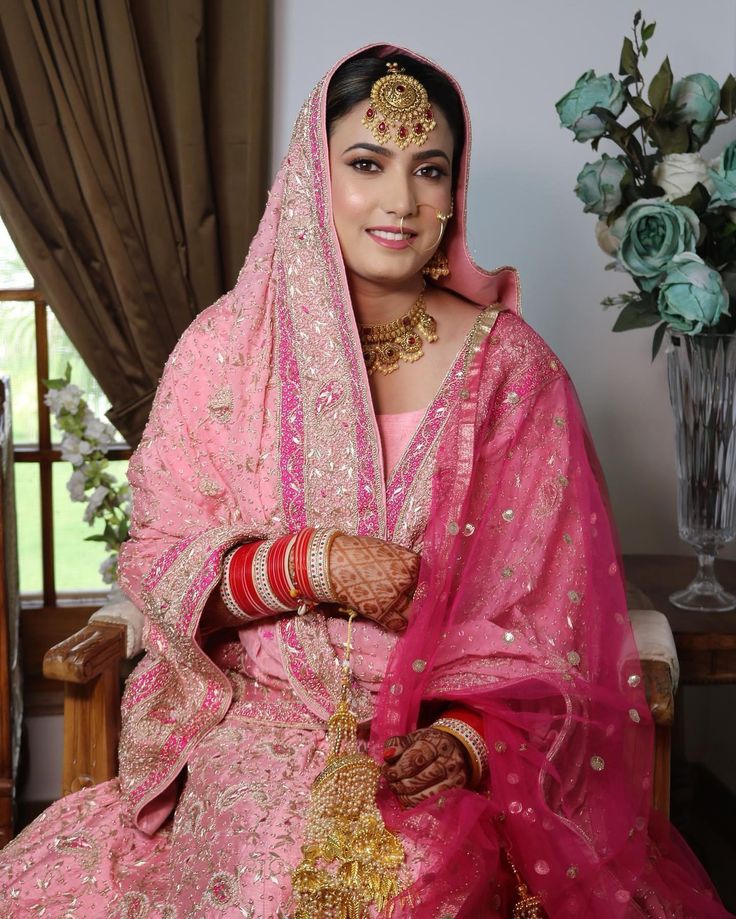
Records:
x=424, y=763
x=374, y=577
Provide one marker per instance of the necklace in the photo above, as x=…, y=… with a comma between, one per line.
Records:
x=384, y=346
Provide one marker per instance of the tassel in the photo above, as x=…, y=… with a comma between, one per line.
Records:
x=350, y=859
x=527, y=906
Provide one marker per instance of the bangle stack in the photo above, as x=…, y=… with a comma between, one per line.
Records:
x=257, y=577
x=473, y=743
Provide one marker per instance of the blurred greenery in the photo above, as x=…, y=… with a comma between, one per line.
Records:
x=77, y=561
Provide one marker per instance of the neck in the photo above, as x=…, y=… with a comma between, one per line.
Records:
x=376, y=304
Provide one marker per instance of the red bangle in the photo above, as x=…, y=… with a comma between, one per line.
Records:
x=277, y=563
x=472, y=718
x=301, y=563
x=242, y=586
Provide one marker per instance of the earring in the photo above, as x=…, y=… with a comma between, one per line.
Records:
x=437, y=266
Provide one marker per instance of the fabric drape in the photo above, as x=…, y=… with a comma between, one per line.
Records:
x=133, y=161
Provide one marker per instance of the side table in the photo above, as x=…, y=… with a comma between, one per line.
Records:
x=706, y=642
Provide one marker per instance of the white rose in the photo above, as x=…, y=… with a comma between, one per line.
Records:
x=606, y=239
x=678, y=173
x=76, y=485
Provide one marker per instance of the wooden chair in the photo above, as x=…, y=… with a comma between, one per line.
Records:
x=89, y=663
x=11, y=699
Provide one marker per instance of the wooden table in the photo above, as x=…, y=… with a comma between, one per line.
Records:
x=706, y=642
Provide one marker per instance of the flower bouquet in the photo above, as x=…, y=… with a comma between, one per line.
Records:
x=668, y=217
x=85, y=444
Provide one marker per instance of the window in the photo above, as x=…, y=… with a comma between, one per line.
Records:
x=56, y=564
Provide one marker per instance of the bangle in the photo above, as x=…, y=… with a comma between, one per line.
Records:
x=279, y=576
x=319, y=576
x=471, y=740
x=301, y=552
x=261, y=581
x=233, y=595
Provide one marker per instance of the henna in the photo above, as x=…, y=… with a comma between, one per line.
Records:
x=426, y=762
x=374, y=577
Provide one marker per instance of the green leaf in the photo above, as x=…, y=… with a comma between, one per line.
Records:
x=657, y=340
x=632, y=316
x=728, y=96
x=696, y=199
x=644, y=49
x=648, y=30
x=640, y=107
x=627, y=64
x=98, y=537
x=661, y=86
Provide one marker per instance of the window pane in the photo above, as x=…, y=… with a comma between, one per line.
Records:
x=61, y=352
x=28, y=512
x=13, y=273
x=18, y=359
x=77, y=561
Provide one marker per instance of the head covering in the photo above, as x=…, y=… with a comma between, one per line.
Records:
x=263, y=423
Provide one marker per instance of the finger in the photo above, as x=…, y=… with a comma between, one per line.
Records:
x=395, y=746
x=412, y=800
x=436, y=772
x=412, y=760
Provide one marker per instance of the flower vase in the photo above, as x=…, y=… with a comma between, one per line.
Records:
x=701, y=371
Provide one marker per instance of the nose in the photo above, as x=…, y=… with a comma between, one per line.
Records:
x=400, y=196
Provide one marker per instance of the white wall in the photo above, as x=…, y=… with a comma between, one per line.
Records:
x=514, y=61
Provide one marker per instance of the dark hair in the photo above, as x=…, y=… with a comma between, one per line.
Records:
x=352, y=81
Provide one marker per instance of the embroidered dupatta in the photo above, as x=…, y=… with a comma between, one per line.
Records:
x=263, y=423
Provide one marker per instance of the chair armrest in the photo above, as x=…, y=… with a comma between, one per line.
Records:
x=86, y=653
x=655, y=641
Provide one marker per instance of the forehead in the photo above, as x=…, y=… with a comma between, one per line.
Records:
x=349, y=129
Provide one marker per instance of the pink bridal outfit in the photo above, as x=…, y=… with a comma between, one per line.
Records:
x=263, y=423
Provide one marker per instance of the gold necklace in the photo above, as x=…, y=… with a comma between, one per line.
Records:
x=384, y=346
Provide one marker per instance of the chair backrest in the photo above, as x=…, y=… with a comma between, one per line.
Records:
x=11, y=698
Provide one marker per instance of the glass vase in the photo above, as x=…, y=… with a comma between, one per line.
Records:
x=701, y=371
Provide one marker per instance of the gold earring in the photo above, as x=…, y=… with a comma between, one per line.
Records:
x=438, y=266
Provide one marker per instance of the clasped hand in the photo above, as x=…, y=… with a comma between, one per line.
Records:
x=424, y=763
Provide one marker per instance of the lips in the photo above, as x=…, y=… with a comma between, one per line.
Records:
x=391, y=237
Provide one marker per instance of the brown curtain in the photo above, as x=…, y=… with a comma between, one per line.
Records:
x=133, y=168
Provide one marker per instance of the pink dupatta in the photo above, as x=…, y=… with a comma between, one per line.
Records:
x=263, y=423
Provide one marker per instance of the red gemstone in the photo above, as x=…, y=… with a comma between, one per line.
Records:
x=418, y=129
x=382, y=126
x=370, y=113
x=402, y=131
x=428, y=114
x=405, y=320
x=400, y=88
x=412, y=339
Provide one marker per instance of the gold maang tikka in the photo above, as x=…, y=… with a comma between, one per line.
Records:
x=399, y=109
x=351, y=861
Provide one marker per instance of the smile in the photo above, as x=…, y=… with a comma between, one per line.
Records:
x=393, y=239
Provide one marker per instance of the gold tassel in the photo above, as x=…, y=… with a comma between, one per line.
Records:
x=527, y=906
x=350, y=860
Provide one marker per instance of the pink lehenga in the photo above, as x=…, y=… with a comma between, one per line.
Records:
x=263, y=423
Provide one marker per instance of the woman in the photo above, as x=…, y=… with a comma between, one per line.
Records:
x=450, y=455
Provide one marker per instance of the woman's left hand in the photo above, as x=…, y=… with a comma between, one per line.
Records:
x=424, y=763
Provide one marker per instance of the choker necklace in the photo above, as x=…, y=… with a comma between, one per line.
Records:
x=384, y=346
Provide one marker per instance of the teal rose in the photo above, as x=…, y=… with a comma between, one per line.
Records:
x=590, y=91
x=599, y=184
x=692, y=294
x=697, y=99
x=723, y=175
x=652, y=232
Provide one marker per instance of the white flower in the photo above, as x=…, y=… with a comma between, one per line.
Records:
x=69, y=397
x=73, y=449
x=53, y=400
x=678, y=172
x=109, y=569
x=606, y=239
x=95, y=500
x=76, y=485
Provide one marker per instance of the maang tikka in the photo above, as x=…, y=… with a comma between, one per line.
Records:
x=399, y=109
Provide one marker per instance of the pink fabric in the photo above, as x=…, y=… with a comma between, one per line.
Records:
x=396, y=431
x=262, y=423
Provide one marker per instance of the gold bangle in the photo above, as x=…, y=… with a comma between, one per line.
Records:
x=472, y=742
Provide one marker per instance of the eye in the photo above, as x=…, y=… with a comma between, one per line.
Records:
x=364, y=165
x=431, y=172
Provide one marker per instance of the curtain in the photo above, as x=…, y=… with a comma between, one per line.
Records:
x=133, y=169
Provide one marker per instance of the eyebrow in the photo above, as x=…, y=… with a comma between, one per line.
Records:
x=384, y=151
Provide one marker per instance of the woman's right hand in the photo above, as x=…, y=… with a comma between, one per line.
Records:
x=374, y=577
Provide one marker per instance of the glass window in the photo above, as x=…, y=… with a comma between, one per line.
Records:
x=13, y=273
x=18, y=360
x=28, y=513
